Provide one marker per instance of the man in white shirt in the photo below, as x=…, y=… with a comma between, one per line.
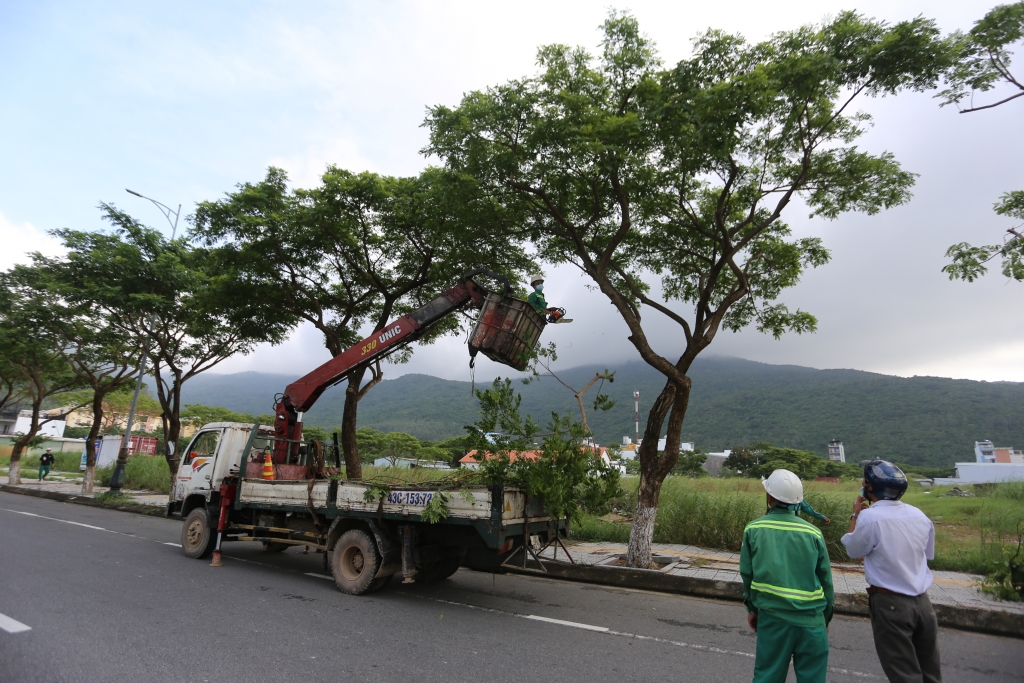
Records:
x=896, y=541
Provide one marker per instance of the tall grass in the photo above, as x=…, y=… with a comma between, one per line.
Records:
x=711, y=513
x=64, y=462
x=141, y=472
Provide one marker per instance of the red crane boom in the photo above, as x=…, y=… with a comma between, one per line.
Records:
x=301, y=394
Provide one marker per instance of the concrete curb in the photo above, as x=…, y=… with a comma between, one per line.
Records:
x=951, y=616
x=151, y=510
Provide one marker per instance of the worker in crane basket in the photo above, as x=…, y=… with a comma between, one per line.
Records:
x=536, y=299
x=787, y=586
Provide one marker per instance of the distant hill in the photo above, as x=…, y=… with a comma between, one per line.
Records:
x=920, y=420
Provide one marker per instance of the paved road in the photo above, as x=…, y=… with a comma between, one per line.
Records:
x=107, y=597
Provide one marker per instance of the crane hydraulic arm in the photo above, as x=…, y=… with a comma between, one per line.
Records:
x=301, y=394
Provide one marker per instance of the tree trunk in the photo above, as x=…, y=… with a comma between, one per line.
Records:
x=14, y=471
x=90, y=445
x=671, y=402
x=349, y=446
x=172, y=432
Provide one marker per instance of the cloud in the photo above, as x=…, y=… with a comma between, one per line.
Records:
x=306, y=168
x=19, y=239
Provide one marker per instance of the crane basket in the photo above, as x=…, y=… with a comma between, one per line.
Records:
x=507, y=331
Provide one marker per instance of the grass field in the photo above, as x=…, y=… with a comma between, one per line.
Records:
x=969, y=532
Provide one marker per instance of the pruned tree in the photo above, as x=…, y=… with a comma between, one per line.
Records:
x=354, y=253
x=983, y=66
x=162, y=292
x=668, y=186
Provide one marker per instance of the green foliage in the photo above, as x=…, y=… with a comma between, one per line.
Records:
x=761, y=459
x=968, y=262
x=984, y=58
x=567, y=476
x=198, y=415
x=690, y=464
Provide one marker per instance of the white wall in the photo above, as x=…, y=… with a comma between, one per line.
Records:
x=983, y=473
x=52, y=428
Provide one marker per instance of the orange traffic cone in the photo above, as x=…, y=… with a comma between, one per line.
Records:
x=268, y=468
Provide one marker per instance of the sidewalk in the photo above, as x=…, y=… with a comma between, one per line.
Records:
x=688, y=569
x=70, y=491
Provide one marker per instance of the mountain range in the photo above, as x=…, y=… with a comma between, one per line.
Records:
x=928, y=421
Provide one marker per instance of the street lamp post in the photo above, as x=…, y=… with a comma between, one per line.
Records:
x=117, y=479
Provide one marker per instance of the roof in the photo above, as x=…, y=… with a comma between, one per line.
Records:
x=513, y=456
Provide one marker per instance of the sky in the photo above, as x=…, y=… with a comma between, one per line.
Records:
x=183, y=101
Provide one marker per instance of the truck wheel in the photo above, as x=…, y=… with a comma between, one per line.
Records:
x=272, y=547
x=355, y=562
x=440, y=570
x=377, y=584
x=196, y=535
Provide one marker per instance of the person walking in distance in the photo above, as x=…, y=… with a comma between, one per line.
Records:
x=787, y=586
x=45, y=462
x=896, y=541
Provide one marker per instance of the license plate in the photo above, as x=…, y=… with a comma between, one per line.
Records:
x=409, y=498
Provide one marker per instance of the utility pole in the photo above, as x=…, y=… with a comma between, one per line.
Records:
x=117, y=478
x=636, y=415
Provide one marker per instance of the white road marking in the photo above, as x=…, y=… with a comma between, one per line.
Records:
x=320, y=576
x=620, y=634
x=573, y=624
x=12, y=626
x=66, y=521
x=176, y=545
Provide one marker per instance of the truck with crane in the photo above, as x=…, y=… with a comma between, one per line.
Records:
x=267, y=484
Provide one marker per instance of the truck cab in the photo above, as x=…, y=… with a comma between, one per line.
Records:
x=214, y=453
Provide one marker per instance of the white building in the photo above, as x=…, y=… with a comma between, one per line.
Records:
x=835, y=451
x=630, y=453
x=715, y=462
x=23, y=424
x=984, y=451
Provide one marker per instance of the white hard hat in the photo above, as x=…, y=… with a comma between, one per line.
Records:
x=535, y=278
x=784, y=486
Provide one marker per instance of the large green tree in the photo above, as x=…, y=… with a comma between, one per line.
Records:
x=31, y=358
x=160, y=292
x=667, y=186
x=105, y=358
x=353, y=253
x=984, y=65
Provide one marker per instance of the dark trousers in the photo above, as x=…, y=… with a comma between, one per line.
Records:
x=906, y=637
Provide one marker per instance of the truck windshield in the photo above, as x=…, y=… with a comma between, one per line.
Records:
x=203, y=446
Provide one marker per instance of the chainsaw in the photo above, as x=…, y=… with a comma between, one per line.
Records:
x=557, y=315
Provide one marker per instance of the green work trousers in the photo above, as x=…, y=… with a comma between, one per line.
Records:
x=43, y=471
x=778, y=642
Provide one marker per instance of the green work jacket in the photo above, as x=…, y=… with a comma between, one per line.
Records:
x=785, y=569
x=536, y=299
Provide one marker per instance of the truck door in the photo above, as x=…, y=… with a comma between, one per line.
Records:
x=196, y=468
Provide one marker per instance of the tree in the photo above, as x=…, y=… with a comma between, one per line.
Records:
x=631, y=172
x=30, y=357
x=162, y=291
x=358, y=250
x=104, y=358
x=983, y=65
x=691, y=464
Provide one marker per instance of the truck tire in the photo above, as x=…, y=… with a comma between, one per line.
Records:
x=354, y=563
x=440, y=570
x=197, y=538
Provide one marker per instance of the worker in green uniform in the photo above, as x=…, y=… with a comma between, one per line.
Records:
x=805, y=508
x=536, y=298
x=787, y=587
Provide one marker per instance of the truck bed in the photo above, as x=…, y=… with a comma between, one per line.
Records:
x=400, y=503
